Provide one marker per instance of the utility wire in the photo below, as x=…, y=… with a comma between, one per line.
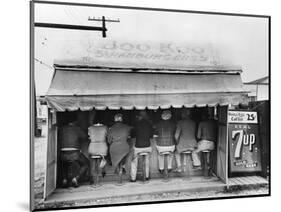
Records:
x=42, y=63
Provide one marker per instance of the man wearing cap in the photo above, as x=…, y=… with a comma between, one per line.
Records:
x=165, y=142
x=70, y=136
x=117, y=137
x=185, y=137
x=143, y=132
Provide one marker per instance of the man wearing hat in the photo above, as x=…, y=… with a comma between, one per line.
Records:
x=118, y=140
x=143, y=132
x=165, y=142
x=186, y=139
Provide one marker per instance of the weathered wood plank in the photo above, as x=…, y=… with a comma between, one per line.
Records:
x=248, y=180
x=234, y=181
x=154, y=186
x=259, y=179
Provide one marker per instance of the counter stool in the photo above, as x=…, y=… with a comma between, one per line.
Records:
x=205, y=156
x=95, y=162
x=186, y=169
x=120, y=174
x=143, y=155
x=166, y=173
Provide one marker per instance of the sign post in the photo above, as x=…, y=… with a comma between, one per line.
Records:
x=244, y=143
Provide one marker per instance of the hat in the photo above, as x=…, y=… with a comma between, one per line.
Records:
x=118, y=117
x=166, y=115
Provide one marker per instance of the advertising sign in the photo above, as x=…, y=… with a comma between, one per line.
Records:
x=128, y=54
x=244, y=144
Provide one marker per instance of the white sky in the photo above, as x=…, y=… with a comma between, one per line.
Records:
x=243, y=40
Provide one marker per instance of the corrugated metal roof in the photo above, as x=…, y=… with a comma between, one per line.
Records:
x=85, y=90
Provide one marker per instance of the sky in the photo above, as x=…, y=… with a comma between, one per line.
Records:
x=241, y=41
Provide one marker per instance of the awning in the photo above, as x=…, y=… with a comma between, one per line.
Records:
x=85, y=90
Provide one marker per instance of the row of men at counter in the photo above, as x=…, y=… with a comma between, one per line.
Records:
x=170, y=137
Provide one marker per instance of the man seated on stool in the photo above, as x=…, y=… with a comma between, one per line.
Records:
x=117, y=137
x=70, y=137
x=97, y=147
x=186, y=140
x=207, y=135
x=165, y=141
x=143, y=132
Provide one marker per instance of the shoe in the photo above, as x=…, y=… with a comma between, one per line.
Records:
x=132, y=181
x=197, y=167
x=161, y=171
x=123, y=170
x=178, y=170
x=74, y=182
x=147, y=178
x=64, y=183
x=91, y=181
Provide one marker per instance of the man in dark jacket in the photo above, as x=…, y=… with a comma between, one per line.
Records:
x=117, y=138
x=143, y=132
x=165, y=141
x=70, y=137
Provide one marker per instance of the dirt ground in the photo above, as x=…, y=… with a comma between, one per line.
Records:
x=40, y=162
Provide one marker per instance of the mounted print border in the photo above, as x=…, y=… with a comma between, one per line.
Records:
x=133, y=105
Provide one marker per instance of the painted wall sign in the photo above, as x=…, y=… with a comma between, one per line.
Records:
x=139, y=54
x=244, y=144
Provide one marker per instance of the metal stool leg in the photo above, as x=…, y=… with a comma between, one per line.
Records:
x=120, y=174
x=205, y=164
x=187, y=159
x=166, y=173
x=92, y=165
x=97, y=172
x=143, y=168
x=95, y=163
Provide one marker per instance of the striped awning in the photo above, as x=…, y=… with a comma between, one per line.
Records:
x=85, y=90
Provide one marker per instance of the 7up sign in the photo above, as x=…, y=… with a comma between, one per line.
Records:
x=243, y=141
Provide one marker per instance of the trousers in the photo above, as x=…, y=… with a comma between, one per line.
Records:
x=74, y=164
x=134, y=162
x=195, y=158
x=161, y=158
x=205, y=145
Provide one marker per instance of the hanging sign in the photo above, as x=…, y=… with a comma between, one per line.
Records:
x=244, y=144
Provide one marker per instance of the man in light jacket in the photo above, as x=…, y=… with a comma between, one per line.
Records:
x=186, y=140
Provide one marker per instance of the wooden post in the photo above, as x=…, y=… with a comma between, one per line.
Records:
x=227, y=150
